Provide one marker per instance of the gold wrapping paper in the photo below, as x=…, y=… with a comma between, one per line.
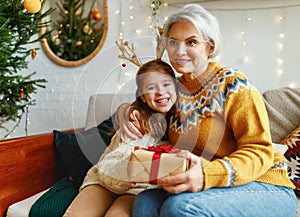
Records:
x=141, y=161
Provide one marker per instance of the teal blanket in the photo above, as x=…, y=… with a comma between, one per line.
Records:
x=55, y=201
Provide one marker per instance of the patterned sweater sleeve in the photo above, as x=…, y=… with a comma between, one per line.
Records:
x=246, y=116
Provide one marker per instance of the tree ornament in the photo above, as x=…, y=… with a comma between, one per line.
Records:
x=32, y=6
x=18, y=25
x=33, y=54
x=78, y=43
x=69, y=41
x=96, y=14
x=86, y=28
x=123, y=64
x=74, y=22
x=78, y=13
x=22, y=94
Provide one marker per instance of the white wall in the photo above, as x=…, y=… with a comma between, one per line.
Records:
x=63, y=103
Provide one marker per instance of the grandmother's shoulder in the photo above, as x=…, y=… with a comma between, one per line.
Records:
x=232, y=76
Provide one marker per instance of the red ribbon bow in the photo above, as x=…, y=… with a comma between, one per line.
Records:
x=163, y=149
x=158, y=151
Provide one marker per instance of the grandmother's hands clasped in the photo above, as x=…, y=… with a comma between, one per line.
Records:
x=191, y=180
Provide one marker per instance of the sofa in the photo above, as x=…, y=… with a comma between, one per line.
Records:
x=29, y=166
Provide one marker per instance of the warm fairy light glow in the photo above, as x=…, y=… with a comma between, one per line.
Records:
x=280, y=46
x=158, y=17
x=292, y=85
x=279, y=61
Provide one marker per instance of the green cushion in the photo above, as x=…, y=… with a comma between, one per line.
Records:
x=55, y=201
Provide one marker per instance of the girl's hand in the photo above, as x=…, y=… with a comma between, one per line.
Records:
x=129, y=125
x=191, y=180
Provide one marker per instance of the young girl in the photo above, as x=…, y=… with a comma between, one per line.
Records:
x=105, y=186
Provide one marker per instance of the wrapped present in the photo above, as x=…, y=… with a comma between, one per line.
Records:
x=154, y=162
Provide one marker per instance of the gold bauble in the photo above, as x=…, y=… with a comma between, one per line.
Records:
x=78, y=43
x=32, y=6
x=86, y=28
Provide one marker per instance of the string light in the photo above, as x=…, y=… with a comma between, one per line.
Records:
x=280, y=46
x=292, y=85
x=158, y=15
x=281, y=35
x=155, y=18
x=279, y=72
x=27, y=122
x=243, y=37
x=279, y=20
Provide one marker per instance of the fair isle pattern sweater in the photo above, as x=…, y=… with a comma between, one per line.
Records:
x=222, y=118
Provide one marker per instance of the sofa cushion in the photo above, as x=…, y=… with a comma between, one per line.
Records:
x=77, y=152
x=283, y=110
x=102, y=106
x=293, y=157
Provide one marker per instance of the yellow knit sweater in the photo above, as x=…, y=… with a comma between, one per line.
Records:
x=221, y=117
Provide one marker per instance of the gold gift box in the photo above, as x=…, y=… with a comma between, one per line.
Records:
x=144, y=168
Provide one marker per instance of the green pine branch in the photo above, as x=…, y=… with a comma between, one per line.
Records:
x=18, y=29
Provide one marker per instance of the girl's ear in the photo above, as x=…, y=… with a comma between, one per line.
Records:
x=143, y=98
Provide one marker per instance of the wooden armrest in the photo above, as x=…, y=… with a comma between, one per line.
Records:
x=27, y=166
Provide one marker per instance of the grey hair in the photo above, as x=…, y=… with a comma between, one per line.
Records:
x=205, y=23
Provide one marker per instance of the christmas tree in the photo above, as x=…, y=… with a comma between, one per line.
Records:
x=76, y=33
x=20, y=21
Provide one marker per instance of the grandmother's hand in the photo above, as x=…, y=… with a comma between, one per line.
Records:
x=129, y=124
x=192, y=180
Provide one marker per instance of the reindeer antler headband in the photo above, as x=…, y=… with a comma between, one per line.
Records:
x=128, y=51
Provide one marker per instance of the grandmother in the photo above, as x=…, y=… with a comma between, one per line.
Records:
x=222, y=120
